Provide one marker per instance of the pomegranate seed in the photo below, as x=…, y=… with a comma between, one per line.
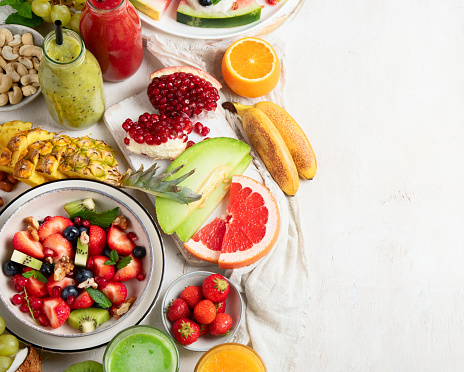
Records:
x=190, y=144
x=71, y=274
x=102, y=282
x=198, y=127
x=17, y=299
x=126, y=141
x=43, y=320
x=205, y=138
x=89, y=264
x=205, y=131
x=23, y=307
x=140, y=277
x=77, y=221
x=48, y=252
x=48, y=218
x=272, y=2
x=86, y=223
x=56, y=291
x=70, y=300
x=132, y=235
x=35, y=302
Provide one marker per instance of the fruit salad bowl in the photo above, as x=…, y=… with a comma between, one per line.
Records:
x=233, y=307
x=44, y=203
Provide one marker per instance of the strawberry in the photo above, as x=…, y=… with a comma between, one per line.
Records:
x=204, y=312
x=178, y=309
x=83, y=301
x=60, y=245
x=215, y=288
x=118, y=240
x=100, y=269
x=97, y=240
x=220, y=307
x=54, y=225
x=220, y=325
x=24, y=242
x=34, y=286
x=203, y=329
x=192, y=295
x=57, y=311
x=116, y=292
x=186, y=331
x=130, y=271
x=62, y=283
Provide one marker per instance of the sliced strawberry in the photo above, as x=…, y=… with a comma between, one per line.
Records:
x=54, y=225
x=128, y=272
x=62, y=283
x=34, y=286
x=118, y=240
x=116, y=292
x=60, y=245
x=83, y=301
x=100, y=269
x=57, y=311
x=97, y=240
x=24, y=242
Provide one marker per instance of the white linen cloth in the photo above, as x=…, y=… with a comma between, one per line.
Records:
x=276, y=288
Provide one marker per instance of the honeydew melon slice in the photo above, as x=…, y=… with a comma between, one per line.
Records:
x=248, y=11
x=152, y=8
x=213, y=160
x=191, y=225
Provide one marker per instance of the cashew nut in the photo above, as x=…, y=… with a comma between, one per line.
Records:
x=8, y=35
x=7, y=53
x=36, y=63
x=26, y=62
x=3, y=99
x=28, y=90
x=10, y=71
x=3, y=63
x=31, y=50
x=32, y=71
x=5, y=83
x=15, y=96
x=15, y=49
x=29, y=79
x=16, y=40
x=27, y=39
x=2, y=40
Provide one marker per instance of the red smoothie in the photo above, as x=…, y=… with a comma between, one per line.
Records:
x=112, y=31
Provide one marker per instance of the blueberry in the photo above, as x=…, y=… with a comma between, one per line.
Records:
x=106, y=252
x=82, y=228
x=47, y=269
x=139, y=252
x=71, y=233
x=205, y=2
x=82, y=275
x=11, y=268
x=70, y=290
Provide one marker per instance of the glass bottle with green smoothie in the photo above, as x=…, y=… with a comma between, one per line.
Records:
x=71, y=82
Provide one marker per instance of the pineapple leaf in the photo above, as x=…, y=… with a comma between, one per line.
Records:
x=147, y=181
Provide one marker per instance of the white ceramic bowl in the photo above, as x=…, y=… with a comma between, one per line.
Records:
x=48, y=200
x=38, y=41
x=234, y=307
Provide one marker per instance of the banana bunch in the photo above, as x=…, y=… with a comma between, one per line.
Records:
x=280, y=142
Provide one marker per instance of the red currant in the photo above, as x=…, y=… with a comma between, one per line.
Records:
x=17, y=299
x=77, y=221
x=24, y=308
x=86, y=223
x=140, y=277
x=35, y=302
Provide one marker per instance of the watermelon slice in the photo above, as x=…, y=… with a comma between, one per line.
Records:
x=248, y=11
x=152, y=8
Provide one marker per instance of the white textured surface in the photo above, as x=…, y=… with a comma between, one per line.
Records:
x=378, y=88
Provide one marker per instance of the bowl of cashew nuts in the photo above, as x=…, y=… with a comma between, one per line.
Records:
x=20, y=56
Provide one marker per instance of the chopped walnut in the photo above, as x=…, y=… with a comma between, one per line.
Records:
x=120, y=222
x=49, y=259
x=62, y=267
x=123, y=308
x=88, y=283
x=84, y=238
x=32, y=227
x=34, y=233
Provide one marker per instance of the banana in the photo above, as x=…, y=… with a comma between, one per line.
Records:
x=271, y=147
x=294, y=137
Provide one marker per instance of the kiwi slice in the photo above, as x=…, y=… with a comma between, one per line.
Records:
x=26, y=260
x=88, y=320
x=82, y=252
x=77, y=206
x=87, y=366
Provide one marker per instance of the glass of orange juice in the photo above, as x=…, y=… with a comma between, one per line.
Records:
x=230, y=357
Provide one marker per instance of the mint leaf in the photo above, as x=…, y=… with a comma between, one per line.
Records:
x=16, y=19
x=114, y=256
x=36, y=275
x=24, y=10
x=102, y=219
x=99, y=297
x=12, y=3
x=124, y=262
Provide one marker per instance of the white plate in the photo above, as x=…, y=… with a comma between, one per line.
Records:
x=271, y=16
x=65, y=341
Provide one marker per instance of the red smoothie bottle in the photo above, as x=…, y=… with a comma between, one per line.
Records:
x=112, y=31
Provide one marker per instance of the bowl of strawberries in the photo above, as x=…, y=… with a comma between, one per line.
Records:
x=202, y=309
x=79, y=258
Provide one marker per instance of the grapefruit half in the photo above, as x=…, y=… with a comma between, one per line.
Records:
x=247, y=232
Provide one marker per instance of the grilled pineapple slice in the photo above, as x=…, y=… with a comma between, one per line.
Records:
x=49, y=161
x=8, y=130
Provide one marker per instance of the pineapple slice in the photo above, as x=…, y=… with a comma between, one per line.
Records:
x=17, y=147
x=8, y=130
x=49, y=161
x=25, y=168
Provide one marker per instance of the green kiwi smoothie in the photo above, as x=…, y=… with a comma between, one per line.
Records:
x=71, y=82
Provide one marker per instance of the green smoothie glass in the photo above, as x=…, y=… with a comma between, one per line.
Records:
x=141, y=349
x=71, y=82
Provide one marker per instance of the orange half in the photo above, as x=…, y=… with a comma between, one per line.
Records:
x=250, y=67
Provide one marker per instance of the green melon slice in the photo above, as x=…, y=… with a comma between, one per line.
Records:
x=213, y=160
x=191, y=225
x=152, y=8
x=248, y=11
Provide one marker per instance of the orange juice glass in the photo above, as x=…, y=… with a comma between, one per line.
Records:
x=230, y=357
